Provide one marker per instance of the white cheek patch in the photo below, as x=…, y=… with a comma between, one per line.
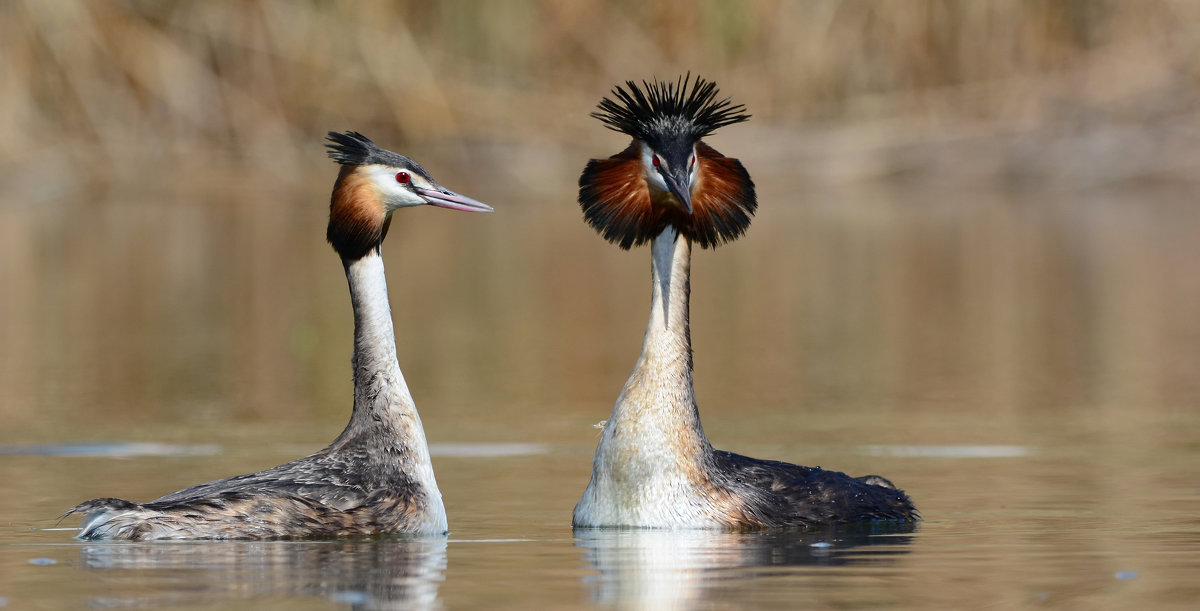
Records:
x=395, y=194
x=382, y=175
x=652, y=176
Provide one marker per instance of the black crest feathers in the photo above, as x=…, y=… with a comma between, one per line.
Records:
x=353, y=148
x=645, y=112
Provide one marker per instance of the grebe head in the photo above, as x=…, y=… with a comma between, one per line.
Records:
x=372, y=184
x=668, y=175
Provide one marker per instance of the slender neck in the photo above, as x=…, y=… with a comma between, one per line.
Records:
x=658, y=400
x=381, y=396
x=668, y=340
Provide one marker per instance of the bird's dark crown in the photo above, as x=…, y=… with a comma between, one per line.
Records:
x=663, y=110
x=353, y=148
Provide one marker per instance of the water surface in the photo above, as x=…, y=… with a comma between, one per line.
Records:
x=1023, y=364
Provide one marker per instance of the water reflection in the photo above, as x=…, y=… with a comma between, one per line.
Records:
x=656, y=569
x=367, y=574
x=109, y=450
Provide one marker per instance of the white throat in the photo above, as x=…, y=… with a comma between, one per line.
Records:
x=375, y=365
x=384, y=412
x=649, y=466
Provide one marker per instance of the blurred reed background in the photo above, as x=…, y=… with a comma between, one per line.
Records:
x=982, y=208
x=105, y=87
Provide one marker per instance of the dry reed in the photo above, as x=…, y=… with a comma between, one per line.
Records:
x=113, y=87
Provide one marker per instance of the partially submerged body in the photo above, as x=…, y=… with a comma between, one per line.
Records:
x=348, y=488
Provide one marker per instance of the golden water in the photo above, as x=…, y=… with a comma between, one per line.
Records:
x=1023, y=364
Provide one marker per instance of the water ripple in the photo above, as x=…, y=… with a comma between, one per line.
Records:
x=113, y=450
x=950, y=451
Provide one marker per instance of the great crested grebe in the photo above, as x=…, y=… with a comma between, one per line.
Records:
x=654, y=466
x=376, y=477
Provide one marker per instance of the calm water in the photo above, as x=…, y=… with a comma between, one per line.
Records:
x=1024, y=365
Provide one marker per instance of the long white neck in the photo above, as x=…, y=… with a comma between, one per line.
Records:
x=650, y=466
x=379, y=388
x=658, y=399
x=385, y=418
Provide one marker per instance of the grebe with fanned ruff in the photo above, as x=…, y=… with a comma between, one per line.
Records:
x=654, y=466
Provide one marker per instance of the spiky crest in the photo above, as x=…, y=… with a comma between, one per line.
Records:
x=353, y=148
x=665, y=107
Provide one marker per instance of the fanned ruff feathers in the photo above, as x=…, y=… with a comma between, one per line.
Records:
x=616, y=200
x=614, y=193
x=723, y=199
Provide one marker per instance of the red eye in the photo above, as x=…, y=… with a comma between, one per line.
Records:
x=403, y=178
x=692, y=161
x=656, y=161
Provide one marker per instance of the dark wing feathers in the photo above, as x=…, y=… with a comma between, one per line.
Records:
x=784, y=494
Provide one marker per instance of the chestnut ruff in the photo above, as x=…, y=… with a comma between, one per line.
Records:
x=614, y=194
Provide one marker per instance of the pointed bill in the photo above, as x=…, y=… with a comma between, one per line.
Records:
x=445, y=198
x=678, y=184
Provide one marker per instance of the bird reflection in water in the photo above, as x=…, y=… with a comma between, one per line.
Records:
x=663, y=569
x=386, y=573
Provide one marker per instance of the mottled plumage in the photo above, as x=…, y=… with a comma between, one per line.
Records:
x=654, y=466
x=376, y=477
x=336, y=492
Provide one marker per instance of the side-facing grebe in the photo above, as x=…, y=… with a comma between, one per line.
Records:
x=376, y=477
x=654, y=466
